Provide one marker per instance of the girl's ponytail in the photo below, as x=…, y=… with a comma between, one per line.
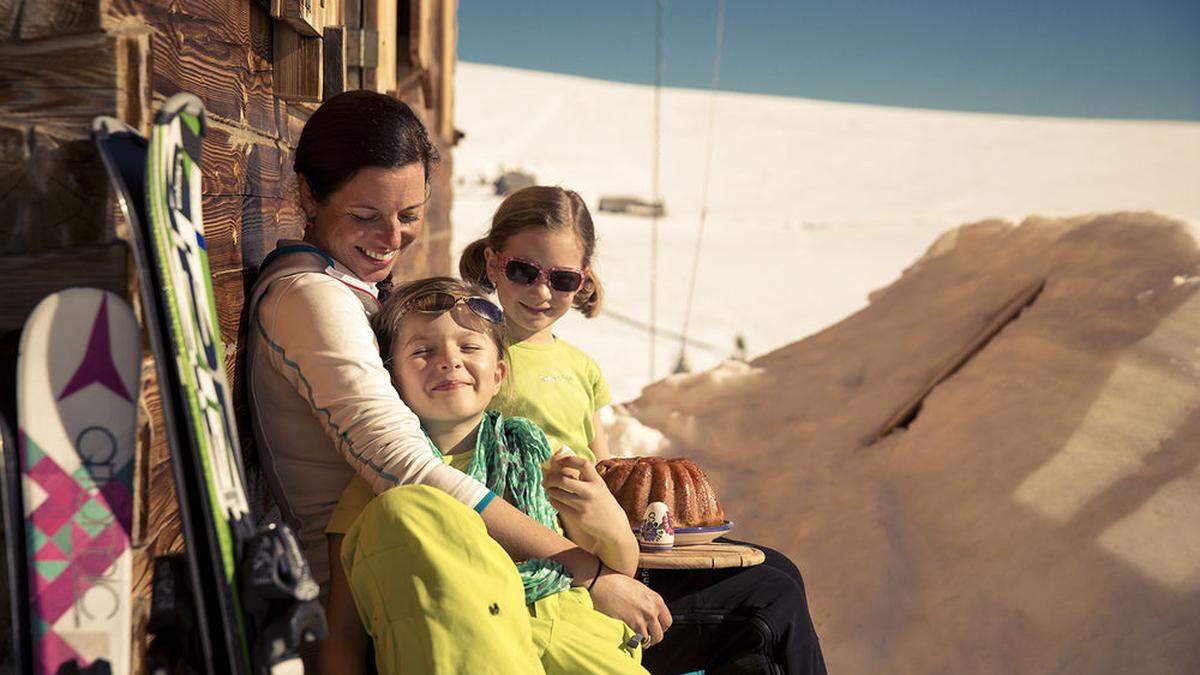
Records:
x=472, y=266
x=590, y=295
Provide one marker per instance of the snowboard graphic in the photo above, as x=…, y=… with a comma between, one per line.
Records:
x=77, y=391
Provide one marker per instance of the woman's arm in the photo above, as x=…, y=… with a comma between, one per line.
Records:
x=317, y=337
x=523, y=538
x=617, y=595
x=344, y=650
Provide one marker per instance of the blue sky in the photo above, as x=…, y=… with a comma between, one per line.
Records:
x=1136, y=59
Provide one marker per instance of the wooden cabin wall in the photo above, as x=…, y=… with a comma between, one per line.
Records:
x=62, y=62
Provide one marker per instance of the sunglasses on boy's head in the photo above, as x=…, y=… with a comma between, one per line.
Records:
x=525, y=272
x=437, y=302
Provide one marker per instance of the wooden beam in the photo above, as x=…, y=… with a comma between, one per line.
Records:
x=297, y=65
x=40, y=19
x=133, y=81
x=334, y=70
x=187, y=58
x=26, y=279
x=53, y=193
x=304, y=16
x=59, y=82
x=446, y=66
x=380, y=16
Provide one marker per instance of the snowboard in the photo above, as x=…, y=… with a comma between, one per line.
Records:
x=78, y=379
x=253, y=600
x=14, y=544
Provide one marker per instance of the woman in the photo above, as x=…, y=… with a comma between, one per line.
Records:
x=322, y=404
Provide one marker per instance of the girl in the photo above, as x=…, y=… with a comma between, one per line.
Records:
x=443, y=345
x=538, y=258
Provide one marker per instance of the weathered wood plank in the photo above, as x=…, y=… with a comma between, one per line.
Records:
x=303, y=16
x=380, y=16
x=14, y=155
x=232, y=83
x=445, y=66
x=29, y=278
x=297, y=114
x=236, y=162
x=297, y=64
x=334, y=66
x=222, y=20
x=158, y=507
x=229, y=290
x=37, y=19
x=59, y=82
x=241, y=230
x=133, y=80
x=352, y=18
x=53, y=193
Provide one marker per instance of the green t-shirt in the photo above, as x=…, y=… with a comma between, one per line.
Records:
x=558, y=387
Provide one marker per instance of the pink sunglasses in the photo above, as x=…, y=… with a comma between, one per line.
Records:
x=527, y=272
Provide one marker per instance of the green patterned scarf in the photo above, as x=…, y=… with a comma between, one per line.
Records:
x=508, y=459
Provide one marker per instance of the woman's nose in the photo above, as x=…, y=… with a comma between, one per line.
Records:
x=400, y=234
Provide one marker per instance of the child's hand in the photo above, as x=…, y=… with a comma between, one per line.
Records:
x=555, y=463
x=581, y=497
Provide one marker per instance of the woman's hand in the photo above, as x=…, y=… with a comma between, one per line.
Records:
x=633, y=602
x=588, y=508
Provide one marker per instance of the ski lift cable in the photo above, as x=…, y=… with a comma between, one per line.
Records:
x=658, y=70
x=712, y=116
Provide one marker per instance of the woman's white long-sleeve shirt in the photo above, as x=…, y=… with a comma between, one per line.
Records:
x=322, y=404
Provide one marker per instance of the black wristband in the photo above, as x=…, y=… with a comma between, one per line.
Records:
x=599, y=569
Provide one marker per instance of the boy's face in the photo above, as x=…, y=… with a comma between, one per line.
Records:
x=445, y=370
x=532, y=309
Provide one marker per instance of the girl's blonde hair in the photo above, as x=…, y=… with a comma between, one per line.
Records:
x=541, y=206
x=387, y=322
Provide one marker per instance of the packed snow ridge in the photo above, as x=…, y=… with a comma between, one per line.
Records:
x=1039, y=512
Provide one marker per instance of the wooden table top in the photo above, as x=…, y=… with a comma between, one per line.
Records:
x=716, y=555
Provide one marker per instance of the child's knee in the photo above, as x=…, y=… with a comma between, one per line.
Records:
x=405, y=515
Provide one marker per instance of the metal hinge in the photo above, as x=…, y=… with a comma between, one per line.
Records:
x=362, y=48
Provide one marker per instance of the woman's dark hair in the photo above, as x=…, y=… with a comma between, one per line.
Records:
x=357, y=129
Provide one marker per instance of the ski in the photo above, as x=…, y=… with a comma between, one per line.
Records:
x=14, y=544
x=77, y=390
x=252, y=600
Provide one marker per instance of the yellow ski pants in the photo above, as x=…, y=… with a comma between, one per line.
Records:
x=438, y=595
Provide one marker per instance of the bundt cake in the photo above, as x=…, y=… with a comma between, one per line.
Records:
x=678, y=482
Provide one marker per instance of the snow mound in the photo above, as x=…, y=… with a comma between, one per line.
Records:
x=628, y=437
x=1038, y=509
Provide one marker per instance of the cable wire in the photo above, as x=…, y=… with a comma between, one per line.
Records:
x=712, y=117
